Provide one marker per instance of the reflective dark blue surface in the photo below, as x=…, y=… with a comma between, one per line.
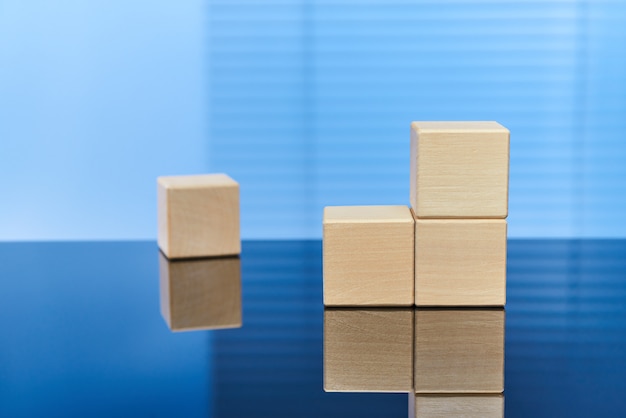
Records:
x=82, y=335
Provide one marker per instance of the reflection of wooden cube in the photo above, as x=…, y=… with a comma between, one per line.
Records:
x=456, y=406
x=198, y=216
x=201, y=294
x=368, y=256
x=459, y=351
x=459, y=169
x=460, y=262
x=368, y=350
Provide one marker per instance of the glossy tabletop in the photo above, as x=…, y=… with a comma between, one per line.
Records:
x=86, y=332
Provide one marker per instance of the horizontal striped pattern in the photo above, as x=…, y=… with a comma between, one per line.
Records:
x=310, y=104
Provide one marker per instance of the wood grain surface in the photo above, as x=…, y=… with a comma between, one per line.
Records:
x=459, y=169
x=368, y=256
x=201, y=293
x=368, y=350
x=460, y=262
x=198, y=216
x=459, y=351
x=456, y=406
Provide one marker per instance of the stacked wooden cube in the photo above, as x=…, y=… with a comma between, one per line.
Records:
x=444, y=254
x=459, y=196
x=449, y=247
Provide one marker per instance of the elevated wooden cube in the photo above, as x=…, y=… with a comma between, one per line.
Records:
x=460, y=262
x=459, y=351
x=200, y=294
x=198, y=216
x=456, y=406
x=368, y=350
x=368, y=256
x=459, y=169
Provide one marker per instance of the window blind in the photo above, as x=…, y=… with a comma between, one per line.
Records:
x=310, y=104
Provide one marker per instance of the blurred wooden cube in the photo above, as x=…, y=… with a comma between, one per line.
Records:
x=368, y=350
x=200, y=294
x=368, y=256
x=456, y=406
x=198, y=216
x=459, y=351
x=459, y=169
x=460, y=262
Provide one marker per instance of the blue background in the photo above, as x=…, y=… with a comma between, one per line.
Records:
x=306, y=103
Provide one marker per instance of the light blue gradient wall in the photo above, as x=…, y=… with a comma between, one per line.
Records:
x=97, y=98
x=307, y=103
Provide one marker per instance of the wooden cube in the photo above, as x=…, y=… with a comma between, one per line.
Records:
x=200, y=294
x=459, y=351
x=459, y=169
x=368, y=350
x=460, y=262
x=198, y=216
x=456, y=406
x=368, y=256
